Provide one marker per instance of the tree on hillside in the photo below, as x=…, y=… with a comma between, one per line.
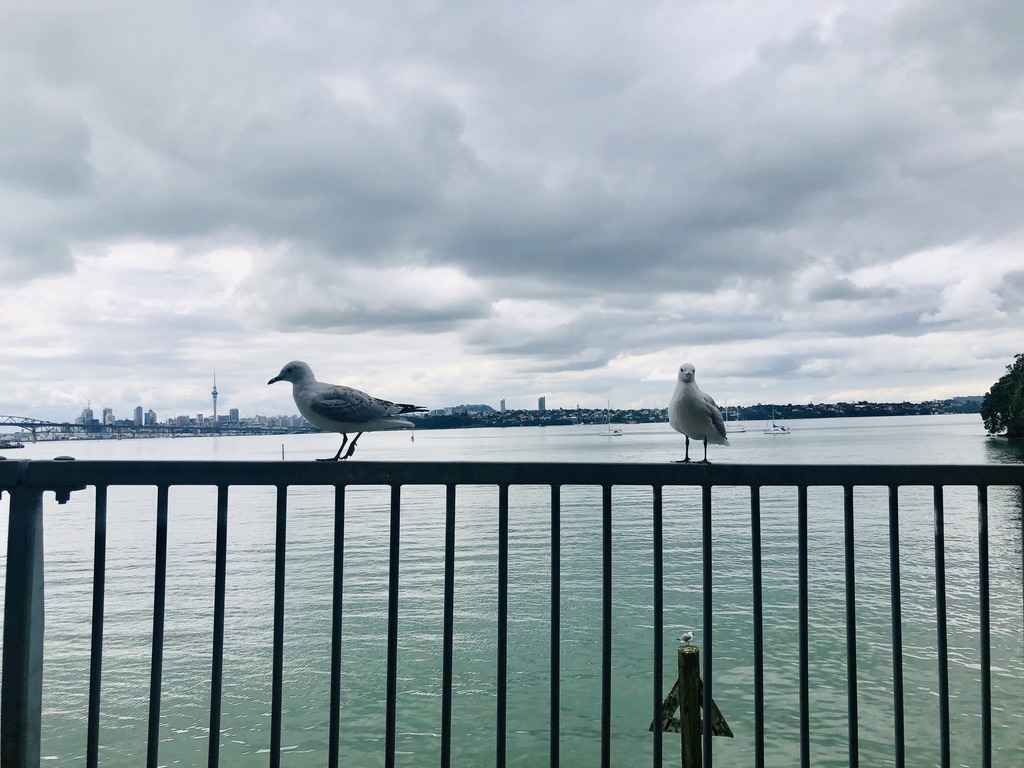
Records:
x=1003, y=406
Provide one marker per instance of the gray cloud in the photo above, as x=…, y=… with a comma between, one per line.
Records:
x=1011, y=292
x=627, y=178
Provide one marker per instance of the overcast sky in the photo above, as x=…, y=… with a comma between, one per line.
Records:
x=447, y=202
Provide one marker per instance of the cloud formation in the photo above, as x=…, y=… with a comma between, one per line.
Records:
x=469, y=201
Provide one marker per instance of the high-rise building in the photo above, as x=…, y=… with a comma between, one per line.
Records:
x=542, y=404
x=150, y=419
x=503, y=405
x=233, y=416
x=86, y=416
x=108, y=415
x=138, y=416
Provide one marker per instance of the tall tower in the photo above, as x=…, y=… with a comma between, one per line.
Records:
x=214, y=393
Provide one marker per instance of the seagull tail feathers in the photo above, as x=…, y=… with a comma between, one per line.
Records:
x=409, y=408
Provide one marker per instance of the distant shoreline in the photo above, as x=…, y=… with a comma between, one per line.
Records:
x=561, y=417
x=759, y=412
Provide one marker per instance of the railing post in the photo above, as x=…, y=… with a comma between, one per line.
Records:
x=689, y=706
x=22, y=693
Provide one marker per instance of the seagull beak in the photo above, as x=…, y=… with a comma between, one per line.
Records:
x=276, y=378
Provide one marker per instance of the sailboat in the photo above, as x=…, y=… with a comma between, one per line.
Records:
x=733, y=424
x=776, y=429
x=612, y=431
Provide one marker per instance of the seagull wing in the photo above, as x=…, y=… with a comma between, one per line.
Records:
x=346, y=404
x=716, y=416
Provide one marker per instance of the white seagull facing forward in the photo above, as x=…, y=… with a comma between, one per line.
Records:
x=694, y=413
x=335, y=408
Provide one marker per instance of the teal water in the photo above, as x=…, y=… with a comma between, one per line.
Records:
x=249, y=600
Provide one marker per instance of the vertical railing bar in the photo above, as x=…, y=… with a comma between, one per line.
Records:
x=556, y=617
x=449, y=613
x=985, y=639
x=157, y=654
x=24, y=617
x=217, y=666
x=897, y=626
x=99, y=570
x=280, y=543
x=805, y=730
x=755, y=555
x=659, y=631
x=392, y=663
x=940, y=626
x=707, y=620
x=502, y=624
x=606, y=625
x=853, y=738
x=334, y=738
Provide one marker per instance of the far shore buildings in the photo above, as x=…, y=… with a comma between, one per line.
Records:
x=542, y=404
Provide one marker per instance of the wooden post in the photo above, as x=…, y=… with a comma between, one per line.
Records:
x=21, y=714
x=689, y=706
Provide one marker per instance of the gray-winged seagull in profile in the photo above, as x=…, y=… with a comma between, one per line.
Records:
x=694, y=413
x=335, y=408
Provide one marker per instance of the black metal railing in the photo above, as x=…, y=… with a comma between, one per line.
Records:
x=23, y=617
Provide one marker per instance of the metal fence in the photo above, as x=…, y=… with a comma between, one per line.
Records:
x=23, y=608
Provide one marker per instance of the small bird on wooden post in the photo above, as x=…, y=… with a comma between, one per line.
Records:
x=689, y=705
x=686, y=696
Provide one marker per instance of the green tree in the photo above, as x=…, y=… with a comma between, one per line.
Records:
x=1003, y=407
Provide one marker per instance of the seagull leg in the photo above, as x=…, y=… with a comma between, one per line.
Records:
x=337, y=456
x=705, y=452
x=352, y=447
x=686, y=458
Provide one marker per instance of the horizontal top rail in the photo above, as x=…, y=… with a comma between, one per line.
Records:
x=66, y=474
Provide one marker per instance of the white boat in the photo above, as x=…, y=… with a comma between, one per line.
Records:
x=733, y=424
x=612, y=431
x=776, y=429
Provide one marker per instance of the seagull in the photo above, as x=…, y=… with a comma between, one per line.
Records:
x=335, y=408
x=687, y=638
x=694, y=413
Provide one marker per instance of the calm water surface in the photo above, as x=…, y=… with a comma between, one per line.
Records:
x=249, y=612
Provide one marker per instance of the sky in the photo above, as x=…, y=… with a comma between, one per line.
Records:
x=445, y=202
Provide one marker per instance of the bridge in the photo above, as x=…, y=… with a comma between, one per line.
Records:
x=56, y=430
x=35, y=426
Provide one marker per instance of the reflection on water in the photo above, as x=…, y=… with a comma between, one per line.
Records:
x=998, y=450
x=249, y=601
